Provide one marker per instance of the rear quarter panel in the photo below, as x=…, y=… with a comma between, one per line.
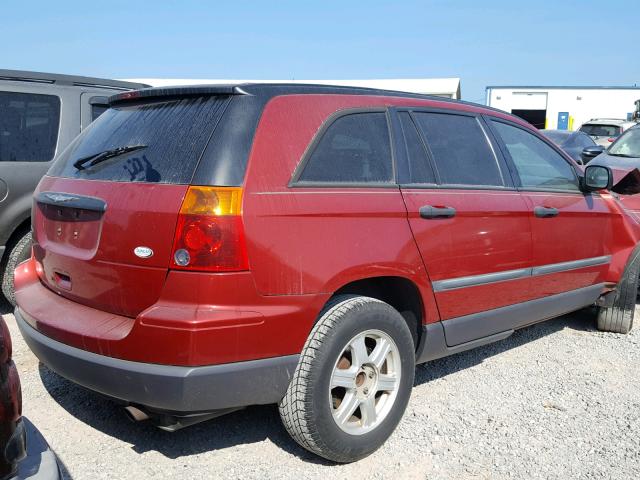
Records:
x=308, y=240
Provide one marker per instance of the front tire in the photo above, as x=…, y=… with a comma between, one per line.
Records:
x=16, y=254
x=353, y=381
x=618, y=318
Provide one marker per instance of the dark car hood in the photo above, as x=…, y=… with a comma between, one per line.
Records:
x=620, y=166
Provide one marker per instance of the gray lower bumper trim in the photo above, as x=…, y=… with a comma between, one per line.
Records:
x=164, y=387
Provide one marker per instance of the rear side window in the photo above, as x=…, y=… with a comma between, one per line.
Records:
x=460, y=149
x=355, y=148
x=173, y=133
x=29, y=126
x=538, y=165
x=420, y=170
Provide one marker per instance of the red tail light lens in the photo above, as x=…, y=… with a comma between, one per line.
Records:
x=210, y=234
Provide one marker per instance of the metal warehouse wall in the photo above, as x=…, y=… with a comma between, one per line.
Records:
x=580, y=103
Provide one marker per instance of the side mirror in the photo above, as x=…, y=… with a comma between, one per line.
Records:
x=597, y=177
x=589, y=153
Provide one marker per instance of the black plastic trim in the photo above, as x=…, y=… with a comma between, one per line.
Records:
x=472, y=327
x=165, y=388
x=68, y=200
x=483, y=328
x=172, y=92
x=434, y=345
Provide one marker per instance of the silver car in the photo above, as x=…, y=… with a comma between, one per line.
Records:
x=605, y=131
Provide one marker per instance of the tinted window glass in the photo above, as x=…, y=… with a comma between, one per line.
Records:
x=175, y=133
x=459, y=149
x=420, y=170
x=97, y=110
x=355, y=148
x=600, y=130
x=538, y=165
x=628, y=145
x=28, y=127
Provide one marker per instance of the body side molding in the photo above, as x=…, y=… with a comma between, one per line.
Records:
x=485, y=278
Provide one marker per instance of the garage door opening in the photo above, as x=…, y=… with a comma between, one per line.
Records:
x=537, y=118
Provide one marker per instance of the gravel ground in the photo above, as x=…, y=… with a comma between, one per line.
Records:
x=556, y=400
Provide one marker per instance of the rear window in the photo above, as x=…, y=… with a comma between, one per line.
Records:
x=28, y=127
x=600, y=130
x=173, y=135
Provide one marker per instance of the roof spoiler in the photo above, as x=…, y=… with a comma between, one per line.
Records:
x=190, y=91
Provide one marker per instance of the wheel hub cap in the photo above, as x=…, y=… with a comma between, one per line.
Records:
x=365, y=382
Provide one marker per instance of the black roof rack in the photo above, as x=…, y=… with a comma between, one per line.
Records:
x=73, y=80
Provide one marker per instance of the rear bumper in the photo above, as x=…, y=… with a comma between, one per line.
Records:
x=165, y=388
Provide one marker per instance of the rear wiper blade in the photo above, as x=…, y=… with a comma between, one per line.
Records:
x=99, y=157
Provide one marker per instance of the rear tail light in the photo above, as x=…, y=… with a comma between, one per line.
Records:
x=210, y=234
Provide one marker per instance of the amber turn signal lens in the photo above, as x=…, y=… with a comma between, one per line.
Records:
x=215, y=201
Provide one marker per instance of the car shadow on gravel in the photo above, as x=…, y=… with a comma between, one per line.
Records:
x=259, y=423
x=251, y=425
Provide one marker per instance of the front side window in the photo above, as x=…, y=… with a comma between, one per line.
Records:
x=538, y=165
x=28, y=127
x=355, y=148
x=460, y=149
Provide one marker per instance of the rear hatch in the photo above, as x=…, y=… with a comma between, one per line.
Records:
x=105, y=216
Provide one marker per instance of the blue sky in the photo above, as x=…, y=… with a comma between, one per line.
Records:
x=483, y=42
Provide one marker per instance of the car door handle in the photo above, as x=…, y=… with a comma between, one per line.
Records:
x=429, y=211
x=545, y=212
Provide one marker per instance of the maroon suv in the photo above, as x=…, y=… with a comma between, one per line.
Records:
x=201, y=249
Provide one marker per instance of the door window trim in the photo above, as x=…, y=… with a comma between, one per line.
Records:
x=512, y=167
x=502, y=164
x=295, y=181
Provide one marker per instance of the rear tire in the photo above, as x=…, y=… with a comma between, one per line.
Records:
x=618, y=318
x=17, y=253
x=359, y=356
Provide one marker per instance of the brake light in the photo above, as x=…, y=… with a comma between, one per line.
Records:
x=210, y=234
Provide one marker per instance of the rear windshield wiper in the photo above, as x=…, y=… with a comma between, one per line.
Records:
x=99, y=157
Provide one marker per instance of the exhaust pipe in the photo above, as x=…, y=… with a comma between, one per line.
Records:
x=135, y=414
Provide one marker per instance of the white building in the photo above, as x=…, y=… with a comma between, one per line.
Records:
x=564, y=108
x=442, y=87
